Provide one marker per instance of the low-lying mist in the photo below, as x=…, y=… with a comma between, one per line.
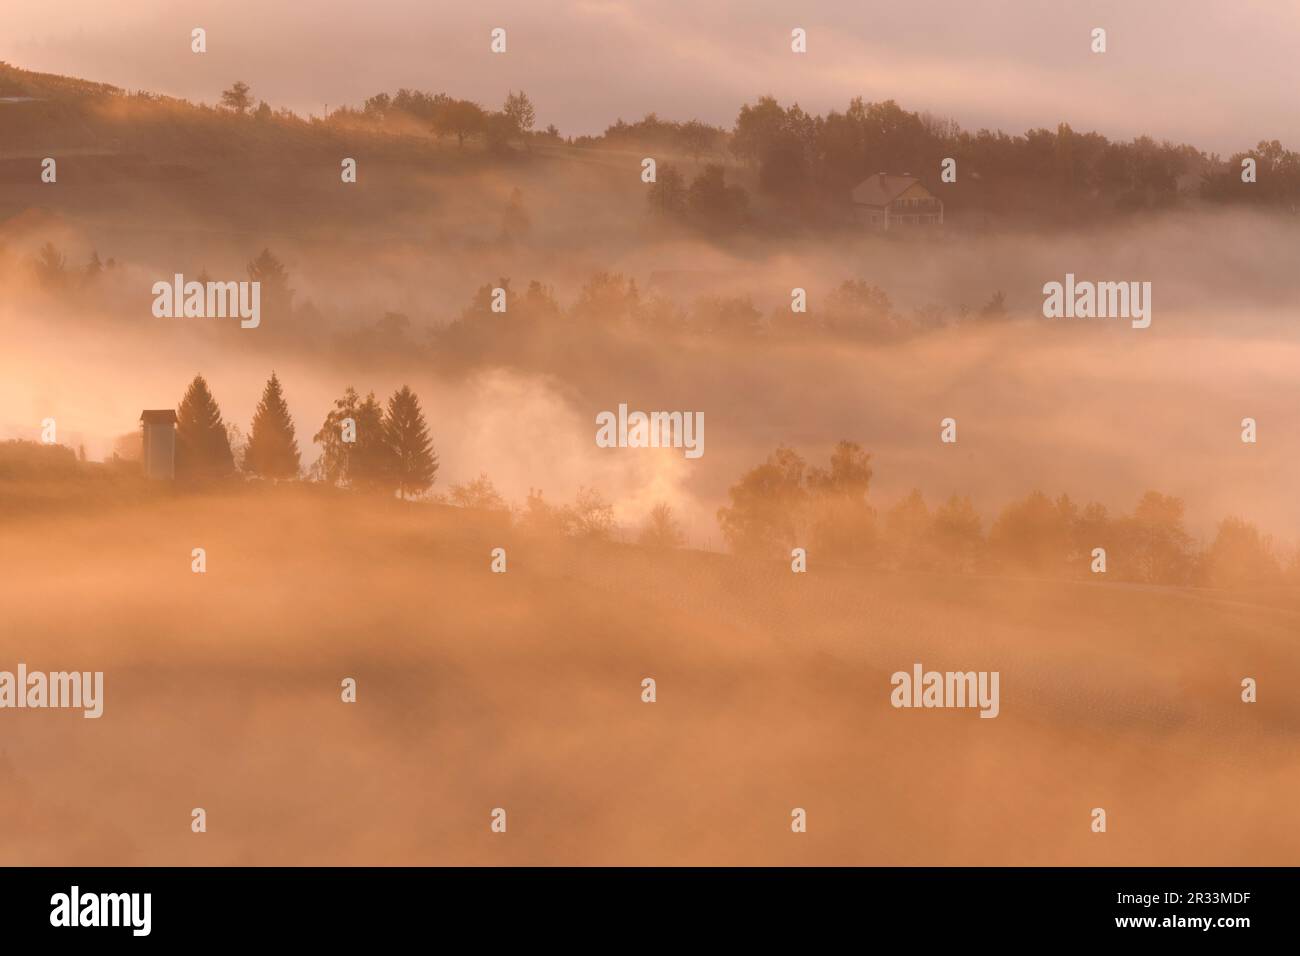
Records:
x=1093, y=408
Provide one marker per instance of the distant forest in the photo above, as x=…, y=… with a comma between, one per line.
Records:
x=797, y=165
x=526, y=326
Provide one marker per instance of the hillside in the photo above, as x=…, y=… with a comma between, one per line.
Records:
x=793, y=171
x=522, y=690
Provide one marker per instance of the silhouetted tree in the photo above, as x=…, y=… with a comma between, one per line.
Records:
x=414, y=462
x=202, y=446
x=995, y=309
x=667, y=194
x=277, y=297
x=766, y=516
x=661, y=529
x=782, y=504
x=461, y=118
x=366, y=463
x=758, y=129
x=843, y=524
x=479, y=493
x=591, y=515
x=698, y=138
x=1239, y=557
x=20, y=458
x=51, y=268
x=538, y=517
x=498, y=131
x=272, y=450
x=518, y=109
x=1036, y=534
x=237, y=98
x=371, y=464
x=539, y=302
x=609, y=299
x=377, y=106
x=1277, y=178
x=713, y=204
x=1159, y=548
x=336, y=451
x=859, y=309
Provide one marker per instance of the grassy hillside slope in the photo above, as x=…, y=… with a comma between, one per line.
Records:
x=480, y=690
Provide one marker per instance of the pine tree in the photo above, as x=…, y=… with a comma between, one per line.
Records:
x=202, y=448
x=414, y=461
x=277, y=297
x=371, y=463
x=272, y=448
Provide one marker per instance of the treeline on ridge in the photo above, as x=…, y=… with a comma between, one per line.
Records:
x=784, y=503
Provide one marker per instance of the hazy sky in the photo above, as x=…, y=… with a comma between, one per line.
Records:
x=1221, y=76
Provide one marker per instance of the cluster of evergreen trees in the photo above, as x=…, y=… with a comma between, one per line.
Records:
x=365, y=445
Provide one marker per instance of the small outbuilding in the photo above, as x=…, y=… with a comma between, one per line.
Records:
x=159, y=443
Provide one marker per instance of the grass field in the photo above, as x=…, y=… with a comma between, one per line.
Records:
x=522, y=690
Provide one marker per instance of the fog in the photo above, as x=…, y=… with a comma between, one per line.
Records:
x=1094, y=408
x=521, y=691
x=482, y=686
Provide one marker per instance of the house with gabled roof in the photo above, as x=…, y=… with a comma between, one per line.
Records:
x=885, y=201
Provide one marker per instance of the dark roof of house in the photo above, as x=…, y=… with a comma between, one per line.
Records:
x=882, y=189
x=158, y=416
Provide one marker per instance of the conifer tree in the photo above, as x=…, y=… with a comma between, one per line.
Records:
x=413, y=459
x=202, y=446
x=371, y=464
x=272, y=447
x=277, y=297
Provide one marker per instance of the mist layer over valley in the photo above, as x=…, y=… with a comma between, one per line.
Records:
x=1094, y=408
x=902, y=462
